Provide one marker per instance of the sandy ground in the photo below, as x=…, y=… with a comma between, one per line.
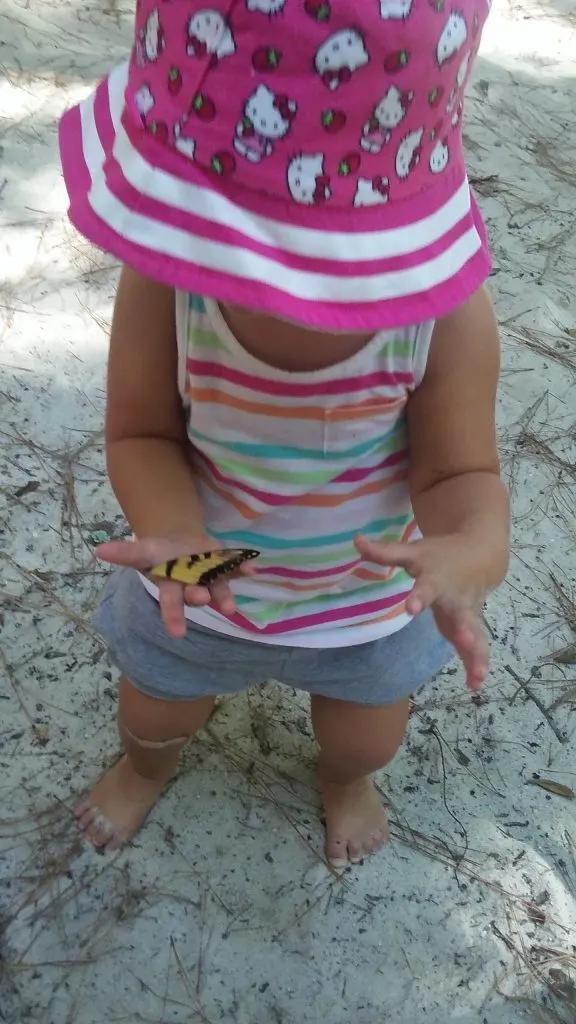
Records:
x=222, y=910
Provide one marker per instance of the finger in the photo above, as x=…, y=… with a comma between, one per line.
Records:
x=405, y=556
x=222, y=597
x=247, y=569
x=424, y=593
x=195, y=595
x=136, y=554
x=471, y=643
x=171, y=598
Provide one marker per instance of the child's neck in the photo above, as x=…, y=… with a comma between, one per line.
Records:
x=289, y=346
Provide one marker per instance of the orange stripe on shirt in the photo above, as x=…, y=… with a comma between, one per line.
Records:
x=223, y=492
x=375, y=577
x=335, y=500
x=306, y=500
x=321, y=588
x=399, y=609
x=345, y=413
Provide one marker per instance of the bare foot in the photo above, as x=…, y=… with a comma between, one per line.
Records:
x=117, y=806
x=356, y=821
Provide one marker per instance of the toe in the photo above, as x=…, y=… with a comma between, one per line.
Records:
x=115, y=842
x=379, y=839
x=85, y=817
x=359, y=850
x=337, y=852
x=355, y=822
x=356, y=853
x=82, y=807
x=100, y=831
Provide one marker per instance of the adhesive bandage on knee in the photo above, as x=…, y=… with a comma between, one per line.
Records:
x=152, y=744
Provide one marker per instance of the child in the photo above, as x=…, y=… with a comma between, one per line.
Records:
x=303, y=361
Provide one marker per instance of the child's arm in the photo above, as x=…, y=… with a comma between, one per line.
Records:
x=454, y=466
x=459, y=500
x=147, y=447
x=146, y=439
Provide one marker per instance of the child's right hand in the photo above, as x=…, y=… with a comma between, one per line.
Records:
x=173, y=596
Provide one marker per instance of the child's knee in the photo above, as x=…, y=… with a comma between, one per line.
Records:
x=360, y=732
x=154, y=722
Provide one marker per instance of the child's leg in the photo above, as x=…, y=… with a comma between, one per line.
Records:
x=152, y=732
x=355, y=740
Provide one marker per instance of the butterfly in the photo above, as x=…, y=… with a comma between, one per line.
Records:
x=205, y=567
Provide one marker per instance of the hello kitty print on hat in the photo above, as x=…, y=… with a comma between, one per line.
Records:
x=371, y=191
x=387, y=115
x=439, y=157
x=150, y=41
x=395, y=8
x=300, y=156
x=307, y=180
x=209, y=33
x=340, y=56
x=267, y=116
x=452, y=38
x=266, y=6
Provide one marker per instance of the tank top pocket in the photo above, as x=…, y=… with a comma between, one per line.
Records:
x=357, y=428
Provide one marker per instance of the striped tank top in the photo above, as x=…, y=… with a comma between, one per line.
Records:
x=295, y=464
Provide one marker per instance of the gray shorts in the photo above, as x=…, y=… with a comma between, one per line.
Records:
x=207, y=663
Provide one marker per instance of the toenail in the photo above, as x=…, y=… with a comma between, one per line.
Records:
x=115, y=843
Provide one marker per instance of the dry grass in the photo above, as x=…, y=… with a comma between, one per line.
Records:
x=548, y=974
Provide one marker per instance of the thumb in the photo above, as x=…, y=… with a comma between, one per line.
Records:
x=138, y=554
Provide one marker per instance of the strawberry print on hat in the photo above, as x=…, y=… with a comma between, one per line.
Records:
x=396, y=60
x=319, y=10
x=333, y=121
x=266, y=58
x=282, y=128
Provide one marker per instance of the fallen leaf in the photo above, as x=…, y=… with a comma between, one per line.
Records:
x=42, y=733
x=567, y=656
x=558, y=788
x=32, y=485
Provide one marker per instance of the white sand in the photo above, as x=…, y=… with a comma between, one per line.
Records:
x=223, y=911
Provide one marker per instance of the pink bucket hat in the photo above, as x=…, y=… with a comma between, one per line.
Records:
x=302, y=157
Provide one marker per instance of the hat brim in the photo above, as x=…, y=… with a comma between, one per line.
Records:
x=365, y=268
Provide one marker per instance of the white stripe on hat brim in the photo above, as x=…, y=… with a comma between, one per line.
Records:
x=244, y=263
x=302, y=241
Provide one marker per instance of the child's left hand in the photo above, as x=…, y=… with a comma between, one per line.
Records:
x=452, y=577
